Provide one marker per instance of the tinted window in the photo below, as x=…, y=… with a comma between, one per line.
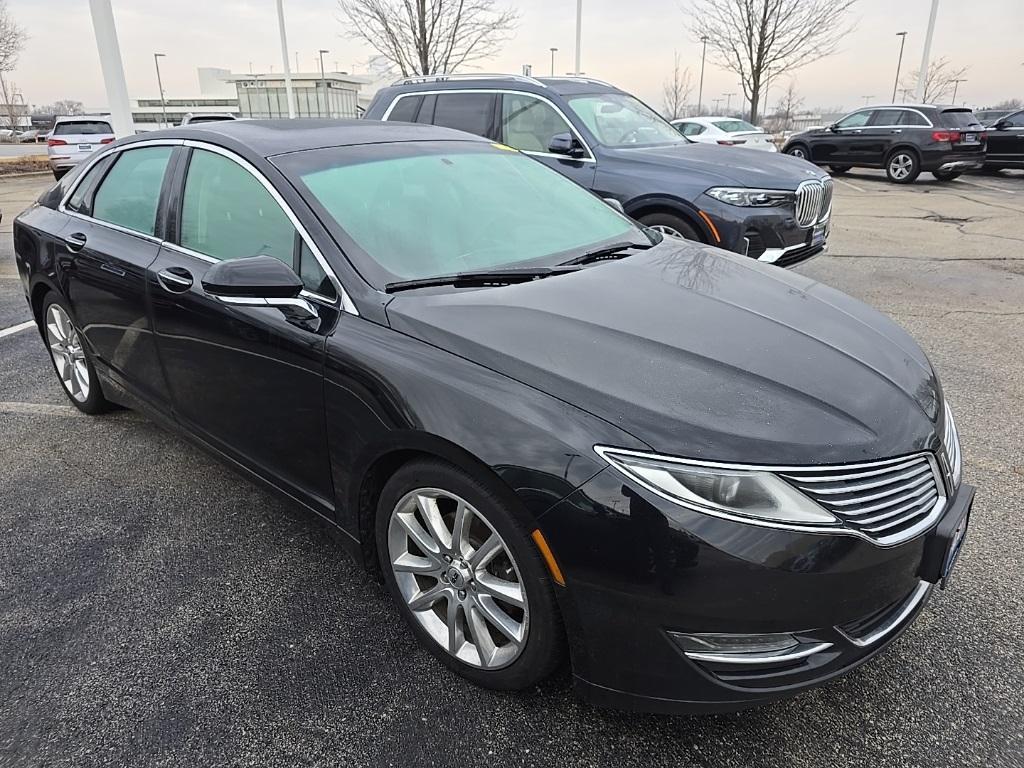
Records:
x=129, y=194
x=405, y=109
x=529, y=123
x=82, y=128
x=208, y=119
x=432, y=208
x=1015, y=120
x=959, y=118
x=691, y=129
x=735, y=126
x=907, y=117
x=78, y=201
x=226, y=213
x=856, y=120
x=470, y=112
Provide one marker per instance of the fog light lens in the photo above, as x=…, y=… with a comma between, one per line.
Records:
x=697, y=646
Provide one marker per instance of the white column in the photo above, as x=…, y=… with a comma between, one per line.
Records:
x=113, y=70
x=284, y=60
x=579, y=33
x=923, y=76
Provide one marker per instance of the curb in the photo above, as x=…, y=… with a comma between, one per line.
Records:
x=24, y=174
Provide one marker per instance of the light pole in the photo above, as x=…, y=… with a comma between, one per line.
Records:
x=717, y=102
x=111, y=66
x=922, y=76
x=160, y=85
x=700, y=88
x=323, y=81
x=956, y=84
x=284, y=60
x=579, y=32
x=867, y=99
x=899, y=62
x=553, y=52
x=728, y=100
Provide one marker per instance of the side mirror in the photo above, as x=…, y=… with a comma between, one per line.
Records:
x=1000, y=125
x=565, y=144
x=259, y=281
x=834, y=127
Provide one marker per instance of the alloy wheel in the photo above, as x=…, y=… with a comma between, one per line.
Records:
x=458, y=577
x=67, y=353
x=900, y=166
x=798, y=152
x=668, y=231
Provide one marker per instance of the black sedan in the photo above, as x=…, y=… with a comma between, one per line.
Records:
x=551, y=430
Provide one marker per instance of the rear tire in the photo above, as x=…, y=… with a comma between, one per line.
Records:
x=945, y=175
x=70, y=357
x=839, y=170
x=454, y=594
x=671, y=225
x=902, y=166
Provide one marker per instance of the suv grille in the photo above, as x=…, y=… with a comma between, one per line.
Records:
x=890, y=501
x=813, y=201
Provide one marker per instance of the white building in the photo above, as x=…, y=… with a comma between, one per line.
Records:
x=216, y=96
x=333, y=95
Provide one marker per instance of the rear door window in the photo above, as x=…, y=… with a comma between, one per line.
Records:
x=405, y=109
x=82, y=128
x=470, y=112
x=909, y=117
x=959, y=118
x=129, y=194
x=691, y=129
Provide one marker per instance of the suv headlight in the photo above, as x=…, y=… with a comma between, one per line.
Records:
x=750, y=493
x=751, y=198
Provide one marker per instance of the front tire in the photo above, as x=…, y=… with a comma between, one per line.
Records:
x=671, y=225
x=70, y=358
x=945, y=175
x=902, y=167
x=466, y=577
x=799, y=150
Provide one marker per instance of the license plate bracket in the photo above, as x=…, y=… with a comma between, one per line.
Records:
x=818, y=235
x=85, y=147
x=943, y=545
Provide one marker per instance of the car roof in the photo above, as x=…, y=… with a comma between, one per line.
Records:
x=274, y=137
x=105, y=118
x=567, y=85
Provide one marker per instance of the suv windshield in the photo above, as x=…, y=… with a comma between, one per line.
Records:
x=424, y=209
x=620, y=120
x=959, y=118
x=82, y=128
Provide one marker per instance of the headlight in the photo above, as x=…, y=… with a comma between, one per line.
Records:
x=749, y=493
x=751, y=198
x=951, y=442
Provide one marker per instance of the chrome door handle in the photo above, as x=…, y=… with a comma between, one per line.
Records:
x=896, y=130
x=175, y=279
x=75, y=242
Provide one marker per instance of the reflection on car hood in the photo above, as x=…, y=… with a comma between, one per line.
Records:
x=701, y=354
x=721, y=165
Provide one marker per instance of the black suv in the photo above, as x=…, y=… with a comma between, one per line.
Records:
x=1006, y=143
x=902, y=139
x=769, y=207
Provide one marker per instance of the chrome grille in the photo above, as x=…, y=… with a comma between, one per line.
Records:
x=813, y=201
x=951, y=451
x=890, y=501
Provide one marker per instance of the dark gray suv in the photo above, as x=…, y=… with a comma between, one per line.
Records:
x=769, y=207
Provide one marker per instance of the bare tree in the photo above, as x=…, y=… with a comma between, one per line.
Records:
x=12, y=40
x=755, y=37
x=677, y=91
x=788, y=105
x=60, y=107
x=425, y=37
x=938, y=84
x=1008, y=104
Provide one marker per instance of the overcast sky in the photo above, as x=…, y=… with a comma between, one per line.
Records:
x=630, y=44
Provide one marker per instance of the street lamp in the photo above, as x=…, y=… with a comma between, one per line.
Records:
x=717, y=102
x=899, y=62
x=553, y=52
x=323, y=81
x=579, y=32
x=867, y=99
x=700, y=89
x=956, y=84
x=728, y=100
x=922, y=75
x=289, y=93
x=160, y=85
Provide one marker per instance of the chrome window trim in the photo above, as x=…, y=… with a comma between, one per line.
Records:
x=923, y=116
x=921, y=591
x=827, y=528
x=115, y=227
x=591, y=159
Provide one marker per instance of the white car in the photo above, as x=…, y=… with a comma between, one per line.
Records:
x=727, y=131
x=75, y=138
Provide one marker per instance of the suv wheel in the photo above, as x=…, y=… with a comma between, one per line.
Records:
x=945, y=175
x=798, y=150
x=902, y=167
x=671, y=225
x=468, y=580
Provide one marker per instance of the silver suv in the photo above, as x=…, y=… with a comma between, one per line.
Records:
x=75, y=138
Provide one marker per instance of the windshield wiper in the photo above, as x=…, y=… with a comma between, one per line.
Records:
x=478, y=279
x=614, y=251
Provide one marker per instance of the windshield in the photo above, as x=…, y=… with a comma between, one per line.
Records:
x=736, y=126
x=82, y=128
x=620, y=120
x=424, y=209
x=959, y=118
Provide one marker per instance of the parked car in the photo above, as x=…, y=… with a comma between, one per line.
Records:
x=902, y=139
x=1006, y=143
x=552, y=430
x=75, y=138
x=29, y=136
x=210, y=117
x=989, y=117
x=768, y=208
x=725, y=131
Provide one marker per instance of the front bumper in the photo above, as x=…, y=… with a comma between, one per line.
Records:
x=639, y=569
x=769, y=235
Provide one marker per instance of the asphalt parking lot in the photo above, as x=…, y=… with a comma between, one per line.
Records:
x=158, y=609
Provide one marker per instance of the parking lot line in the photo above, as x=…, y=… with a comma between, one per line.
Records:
x=17, y=328
x=988, y=186
x=849, y=184
x=39, y=409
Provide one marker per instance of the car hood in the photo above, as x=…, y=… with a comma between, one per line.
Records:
x=721, y=165
x=699, y=353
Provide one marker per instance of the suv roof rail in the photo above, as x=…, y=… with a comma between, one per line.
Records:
x=581, y=78
x=416, y=79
